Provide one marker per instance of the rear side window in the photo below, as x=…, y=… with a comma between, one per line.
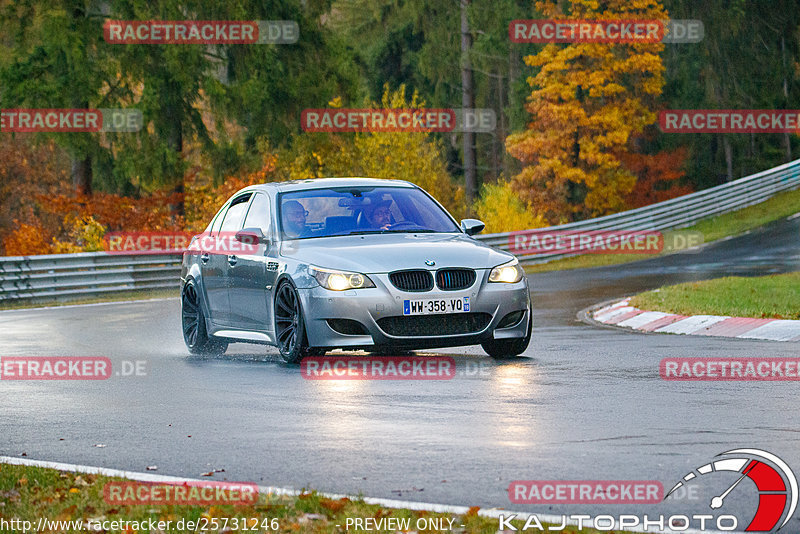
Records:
x=235, y=214
x=258, y=216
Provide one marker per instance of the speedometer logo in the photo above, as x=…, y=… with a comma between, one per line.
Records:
x=775, y=482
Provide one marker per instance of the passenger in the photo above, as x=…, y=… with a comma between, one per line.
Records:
x=294, y=219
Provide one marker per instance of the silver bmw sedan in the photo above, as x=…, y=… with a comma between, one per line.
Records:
x=358, y=263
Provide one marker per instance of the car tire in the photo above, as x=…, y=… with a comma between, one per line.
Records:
x=290, y=327
x=193, y=323
x=509, y=348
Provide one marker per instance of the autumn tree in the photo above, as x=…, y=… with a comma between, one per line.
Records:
x=588, y=99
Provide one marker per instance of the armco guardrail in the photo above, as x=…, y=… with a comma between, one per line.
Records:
x=678, y=212
x=70, y=276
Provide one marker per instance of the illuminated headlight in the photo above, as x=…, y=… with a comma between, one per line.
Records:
x=340, y=280
x=508, y=273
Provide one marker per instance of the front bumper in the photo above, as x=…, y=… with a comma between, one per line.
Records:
x=368, y=307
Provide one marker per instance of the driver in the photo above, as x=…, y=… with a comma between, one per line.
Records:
x=294, y=219
x=379, y=215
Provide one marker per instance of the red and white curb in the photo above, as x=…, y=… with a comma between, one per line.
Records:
x=623, y=314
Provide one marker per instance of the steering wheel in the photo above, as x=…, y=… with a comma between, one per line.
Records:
x=403, y=224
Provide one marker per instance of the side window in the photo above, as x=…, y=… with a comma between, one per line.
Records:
x=235, y=214
x=258, y=216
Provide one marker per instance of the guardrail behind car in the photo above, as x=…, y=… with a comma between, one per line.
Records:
x=678, y=212
x=64, y=277
x=70, y=276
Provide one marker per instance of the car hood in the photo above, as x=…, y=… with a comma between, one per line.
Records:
x=382, y=253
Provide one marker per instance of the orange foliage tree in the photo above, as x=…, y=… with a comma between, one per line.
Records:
x=588, y=99
x=203, y=200
x=657, y=176
x=26, y=170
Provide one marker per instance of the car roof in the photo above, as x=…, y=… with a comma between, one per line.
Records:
x=321, y=183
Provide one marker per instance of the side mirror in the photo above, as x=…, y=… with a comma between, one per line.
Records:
x=472, y=226
x=250, y=236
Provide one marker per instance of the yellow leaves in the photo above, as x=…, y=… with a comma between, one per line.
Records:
x=502, y=211
x=335, y=102
x=84, y=234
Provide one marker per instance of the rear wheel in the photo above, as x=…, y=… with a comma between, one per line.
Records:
x=193, y=323
x=290, y=328
x=509, y=348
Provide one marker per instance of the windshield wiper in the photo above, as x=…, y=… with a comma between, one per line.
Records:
x=405, y=231
x=417, y=231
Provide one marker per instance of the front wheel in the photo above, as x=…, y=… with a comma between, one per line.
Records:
x=509, y=348
x=193, y=323
x=290, y=327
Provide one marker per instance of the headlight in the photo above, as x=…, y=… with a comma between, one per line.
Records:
x=340, y=280
x=508, y=273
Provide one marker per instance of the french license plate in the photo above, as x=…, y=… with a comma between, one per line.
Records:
x=434, y=306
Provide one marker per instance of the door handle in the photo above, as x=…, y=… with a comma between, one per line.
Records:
x=204, y=257
x=232, y=260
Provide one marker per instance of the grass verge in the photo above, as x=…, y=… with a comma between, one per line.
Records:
x=109, y=297
x=774, y=296
x=31, y=493
x=728, y=224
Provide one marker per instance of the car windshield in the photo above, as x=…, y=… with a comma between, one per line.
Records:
x=360, y=210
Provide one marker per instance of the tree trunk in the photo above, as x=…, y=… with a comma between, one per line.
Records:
x=175, y=142
x=511, y=165
x=787, y=141
x=501, y=134
x=726, y=143
x=81, y=174
x=467, y=102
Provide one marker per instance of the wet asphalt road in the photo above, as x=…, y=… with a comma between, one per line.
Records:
x=585, y=402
